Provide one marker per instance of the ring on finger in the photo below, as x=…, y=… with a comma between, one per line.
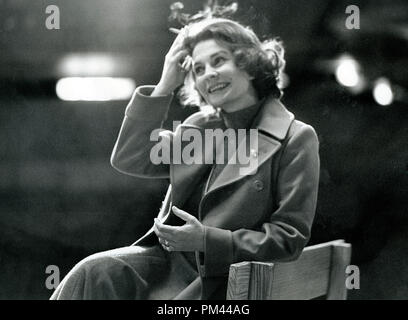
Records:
x=167, y=248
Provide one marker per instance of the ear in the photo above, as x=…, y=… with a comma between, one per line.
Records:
x=250, y=77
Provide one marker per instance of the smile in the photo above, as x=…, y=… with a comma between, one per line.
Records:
x=217, y=87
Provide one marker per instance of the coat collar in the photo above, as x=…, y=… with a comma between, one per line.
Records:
x=274, y=119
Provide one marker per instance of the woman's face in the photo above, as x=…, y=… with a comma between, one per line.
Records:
x=219, y=81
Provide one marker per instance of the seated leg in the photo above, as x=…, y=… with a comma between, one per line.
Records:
x=124, y=273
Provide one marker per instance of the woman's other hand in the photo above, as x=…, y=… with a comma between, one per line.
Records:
x=188, y=237
x=176, y=64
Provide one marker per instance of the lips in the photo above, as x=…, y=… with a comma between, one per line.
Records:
x=218, y=87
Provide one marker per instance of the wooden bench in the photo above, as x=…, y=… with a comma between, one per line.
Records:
x=319, y=271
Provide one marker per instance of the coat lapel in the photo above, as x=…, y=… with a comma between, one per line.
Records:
x=185, y=177
x=264, y=149
x=274, y=119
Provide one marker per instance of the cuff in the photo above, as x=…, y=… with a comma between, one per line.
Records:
x=218, y=252
x=142, y=105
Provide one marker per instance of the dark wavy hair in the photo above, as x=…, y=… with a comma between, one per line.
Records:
x=264, y=61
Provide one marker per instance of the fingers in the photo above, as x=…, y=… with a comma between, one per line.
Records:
x=180, y=59
x=183, y=215
x=179, y=56
x=174, y=49
x=164, y=230
x=179, y=39
x=175, y=65
x=166, y=245
x=187, y=63
x=175, y=238
x=169, y=248
x=164, y=242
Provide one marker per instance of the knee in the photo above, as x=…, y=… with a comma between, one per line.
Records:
x=95, y=277
x=97, y=264
x=102, y=274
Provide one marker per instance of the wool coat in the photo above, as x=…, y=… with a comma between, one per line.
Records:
x=265, y=214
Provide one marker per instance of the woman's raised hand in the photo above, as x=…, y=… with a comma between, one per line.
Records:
x=176, y=64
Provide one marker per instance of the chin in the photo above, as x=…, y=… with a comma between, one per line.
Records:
x=217, y=103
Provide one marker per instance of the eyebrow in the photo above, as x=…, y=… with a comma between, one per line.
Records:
x=214, y=54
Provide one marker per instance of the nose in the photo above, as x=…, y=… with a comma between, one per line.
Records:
x=211, y=73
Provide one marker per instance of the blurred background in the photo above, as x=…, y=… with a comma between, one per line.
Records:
x=63, y=93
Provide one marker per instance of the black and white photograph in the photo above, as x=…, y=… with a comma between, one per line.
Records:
x=210, y=150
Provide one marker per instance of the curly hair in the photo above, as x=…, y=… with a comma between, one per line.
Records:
x=264, y=61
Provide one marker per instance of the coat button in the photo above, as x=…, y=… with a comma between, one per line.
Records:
x=258, y=185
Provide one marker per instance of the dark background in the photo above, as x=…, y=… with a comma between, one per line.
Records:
x=59, y=198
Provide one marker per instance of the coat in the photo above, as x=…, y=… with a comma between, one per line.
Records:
x=265, y=215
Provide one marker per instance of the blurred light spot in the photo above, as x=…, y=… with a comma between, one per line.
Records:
x=95, y=89
x=88, y=64
x=348, y=72
x=382, y=92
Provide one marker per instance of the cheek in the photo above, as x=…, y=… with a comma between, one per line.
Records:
x=243, y=80
x=199, y=86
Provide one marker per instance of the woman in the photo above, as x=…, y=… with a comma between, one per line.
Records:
x=213, y=214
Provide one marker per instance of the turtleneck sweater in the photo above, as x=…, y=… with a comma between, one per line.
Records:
x=241, y=119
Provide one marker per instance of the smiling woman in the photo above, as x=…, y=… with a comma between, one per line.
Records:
x=214, y=214
x=262, y=63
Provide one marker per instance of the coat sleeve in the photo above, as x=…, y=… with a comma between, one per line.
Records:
x=141, y=136
x=287, y=231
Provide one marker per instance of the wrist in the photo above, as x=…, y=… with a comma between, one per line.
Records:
x=161, y=90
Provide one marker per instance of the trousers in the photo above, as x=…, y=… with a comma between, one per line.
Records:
x=130, y=273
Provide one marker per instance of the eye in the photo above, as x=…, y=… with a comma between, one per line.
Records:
x=198, y=70
x=219, y=60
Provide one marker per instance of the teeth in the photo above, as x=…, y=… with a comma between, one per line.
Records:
x=218, y=87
